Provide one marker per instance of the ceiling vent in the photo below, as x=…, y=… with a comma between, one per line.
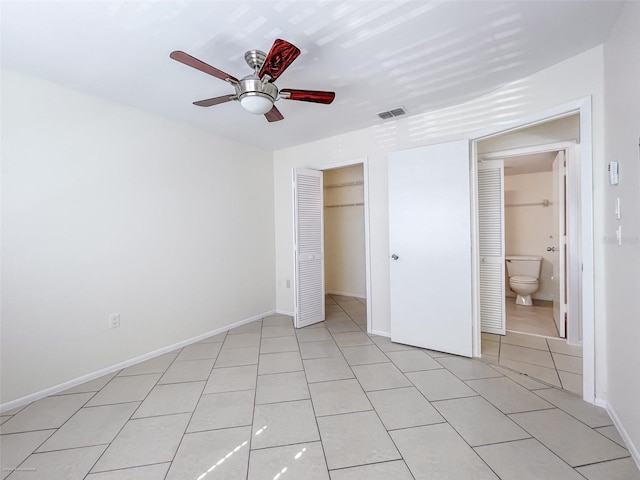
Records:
x=394, y=112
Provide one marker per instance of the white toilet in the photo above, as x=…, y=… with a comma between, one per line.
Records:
x=523, y=272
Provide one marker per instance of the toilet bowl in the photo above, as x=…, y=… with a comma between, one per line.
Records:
x=523, y=272
x=523, y=286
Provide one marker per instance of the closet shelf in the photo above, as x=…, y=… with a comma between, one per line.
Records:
x=344, y=205
x=340, y=185
x=543, y=203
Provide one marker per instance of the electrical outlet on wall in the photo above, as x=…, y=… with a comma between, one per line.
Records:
x=114, y=320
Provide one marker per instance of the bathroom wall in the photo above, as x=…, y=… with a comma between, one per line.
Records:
x=528, y=229
x=344, y=231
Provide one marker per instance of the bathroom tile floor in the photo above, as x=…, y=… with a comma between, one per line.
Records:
x=328, y=402
x=536, y=319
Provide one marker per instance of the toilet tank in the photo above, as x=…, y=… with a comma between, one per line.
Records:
x=520, y=265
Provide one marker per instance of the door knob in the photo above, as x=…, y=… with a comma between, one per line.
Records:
x=551, y=249
x=394, y=257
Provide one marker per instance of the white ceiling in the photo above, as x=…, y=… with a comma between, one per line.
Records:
x=534, y=163
x=375, y=55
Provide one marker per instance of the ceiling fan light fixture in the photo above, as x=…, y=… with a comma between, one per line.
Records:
x=256, y=92
x=256, y=103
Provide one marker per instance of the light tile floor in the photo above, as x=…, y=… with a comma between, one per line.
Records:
x=328, y=402
x=550, y=360
x=536, y=319
x=524, y=350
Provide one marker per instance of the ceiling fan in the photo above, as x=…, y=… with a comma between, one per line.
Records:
x=257, y=92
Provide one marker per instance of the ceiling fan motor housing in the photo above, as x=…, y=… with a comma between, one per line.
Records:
x=252, y=85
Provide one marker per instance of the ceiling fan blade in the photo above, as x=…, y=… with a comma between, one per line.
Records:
x=281, y=55
x=274, y=115
x=209, y=102
x=314, y=96
x=200, y=65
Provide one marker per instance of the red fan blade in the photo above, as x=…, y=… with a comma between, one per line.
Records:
x=281, y=55
x=200, y=65
x=314, y=96
x=209, y=102
x=274, y=115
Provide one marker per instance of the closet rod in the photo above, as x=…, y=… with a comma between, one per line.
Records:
x=344, y=205
x=543, y=203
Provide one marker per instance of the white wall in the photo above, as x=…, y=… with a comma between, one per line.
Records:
x=106, y=209
x=528, y=228
x=344, y=239
x=622, y=273
x=575, y=78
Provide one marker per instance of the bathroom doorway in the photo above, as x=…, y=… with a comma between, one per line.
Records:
x=535, y=233
x=537, y=220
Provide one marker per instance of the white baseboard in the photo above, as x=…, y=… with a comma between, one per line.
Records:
x=598, y=402
x=285, y=312
x=544, y=298
x=119, y=366
x=381, y=333
x=345, y=294
x=633, y=449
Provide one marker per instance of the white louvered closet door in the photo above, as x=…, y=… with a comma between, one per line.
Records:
x=491, y=246
x=308, y=246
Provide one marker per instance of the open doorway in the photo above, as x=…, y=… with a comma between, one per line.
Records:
x=345, y=248
x=535, y=234
x=541, y=245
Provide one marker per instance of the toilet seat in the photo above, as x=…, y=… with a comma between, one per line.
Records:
x=523, y=280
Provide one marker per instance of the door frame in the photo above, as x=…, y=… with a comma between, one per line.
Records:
x=364, y=161
x=584, y=172
x=571, y=268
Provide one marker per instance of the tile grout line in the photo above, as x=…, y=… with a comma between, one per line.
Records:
x=547, y=448
x=132, y=413
x=369, y=400
x=194, y=408
x=313, y=408
x=255, y=396
x=555, y=367
x=373, y=407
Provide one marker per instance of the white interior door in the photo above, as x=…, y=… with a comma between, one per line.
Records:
x=559, y=244
x=308, y=212
x=430, y=241
x=491, y=246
